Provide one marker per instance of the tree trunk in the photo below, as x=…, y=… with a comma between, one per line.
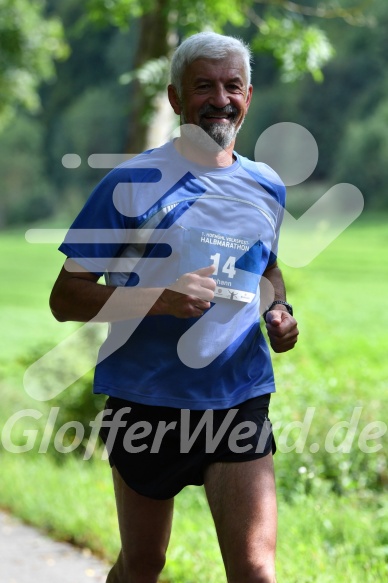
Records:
x=154, y=43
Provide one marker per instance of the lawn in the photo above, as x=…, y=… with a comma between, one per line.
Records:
x=330, y=412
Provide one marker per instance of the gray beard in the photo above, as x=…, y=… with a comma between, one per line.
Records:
x=221, y=135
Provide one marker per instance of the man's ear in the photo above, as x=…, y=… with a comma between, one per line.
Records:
x=174, y=99
x=249, y=96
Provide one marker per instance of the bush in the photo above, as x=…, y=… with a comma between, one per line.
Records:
x=66, y=406
x=362, y=157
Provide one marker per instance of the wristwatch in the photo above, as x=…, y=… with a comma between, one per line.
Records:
x=283, y=303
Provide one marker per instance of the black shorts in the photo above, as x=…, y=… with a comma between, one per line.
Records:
x=160, y=450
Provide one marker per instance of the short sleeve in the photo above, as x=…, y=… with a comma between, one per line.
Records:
x=99, y=232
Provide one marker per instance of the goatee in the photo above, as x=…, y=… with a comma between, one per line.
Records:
x=212, y=137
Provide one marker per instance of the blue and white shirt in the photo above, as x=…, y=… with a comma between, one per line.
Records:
x=149, y=221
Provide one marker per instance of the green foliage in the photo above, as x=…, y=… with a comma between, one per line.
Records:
x=192, y=15
x=29, y=42
x=76, y=405
x=363, y=154
x=26, y=193
x=153, y=78
x=86, y=110
x=152, y=75
x=117, y=12
x=297, y=47
x=82, y=112
x=90, y=124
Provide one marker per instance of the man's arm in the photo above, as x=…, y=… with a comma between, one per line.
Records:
x=78, y=296
x=282, y=328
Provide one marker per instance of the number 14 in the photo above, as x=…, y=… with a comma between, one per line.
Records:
x=228, y=266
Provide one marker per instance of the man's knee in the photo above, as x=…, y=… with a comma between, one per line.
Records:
x=253, y=572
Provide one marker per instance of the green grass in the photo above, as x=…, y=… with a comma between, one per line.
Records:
x=333, y=507
x=28, y=272
x=322, y=538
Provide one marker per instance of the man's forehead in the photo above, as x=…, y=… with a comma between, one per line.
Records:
x=231, y=66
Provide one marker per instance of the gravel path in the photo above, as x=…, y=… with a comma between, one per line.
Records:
x=28, y=556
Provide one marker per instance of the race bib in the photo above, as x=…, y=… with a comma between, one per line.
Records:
x=236, y=259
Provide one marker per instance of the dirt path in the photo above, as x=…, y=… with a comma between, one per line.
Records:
x=28, y=556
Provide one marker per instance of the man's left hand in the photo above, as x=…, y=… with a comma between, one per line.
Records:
x=282, y=330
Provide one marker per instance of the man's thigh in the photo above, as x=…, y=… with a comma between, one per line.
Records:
x=242, y=499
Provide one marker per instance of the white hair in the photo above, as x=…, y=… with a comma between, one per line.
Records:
x=208, y=45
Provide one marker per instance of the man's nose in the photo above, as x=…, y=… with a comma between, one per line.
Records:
x=219, y=97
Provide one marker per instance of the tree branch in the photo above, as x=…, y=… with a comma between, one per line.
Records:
x=353, y=15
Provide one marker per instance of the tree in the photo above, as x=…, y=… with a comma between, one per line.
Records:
x=29, y=43
x=281, y=28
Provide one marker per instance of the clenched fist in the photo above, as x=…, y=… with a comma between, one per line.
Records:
x=282, y=330
x=190, y=295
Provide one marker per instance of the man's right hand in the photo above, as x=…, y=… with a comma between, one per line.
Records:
x=189, y=296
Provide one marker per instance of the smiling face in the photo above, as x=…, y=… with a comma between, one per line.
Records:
x=215, y=97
